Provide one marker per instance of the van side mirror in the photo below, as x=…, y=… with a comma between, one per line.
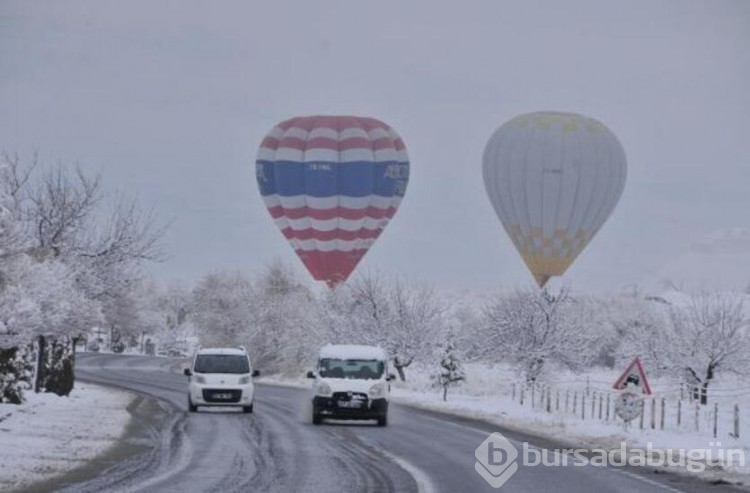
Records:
x=256, y=373
x=188, y=372
x=310, y=374
x=391, y=377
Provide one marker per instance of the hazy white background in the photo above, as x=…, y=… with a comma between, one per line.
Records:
x=170, y=99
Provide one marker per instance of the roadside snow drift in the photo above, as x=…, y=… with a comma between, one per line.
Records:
x=50, y=435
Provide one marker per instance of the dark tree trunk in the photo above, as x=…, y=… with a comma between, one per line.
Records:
x=710, y=371
x=75, y=341
x=60, y=378
x=41, y=357
x=400, y=367
x=699, y=387
x=704, y=393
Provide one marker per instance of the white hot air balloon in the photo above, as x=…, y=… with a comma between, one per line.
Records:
x=553, y=180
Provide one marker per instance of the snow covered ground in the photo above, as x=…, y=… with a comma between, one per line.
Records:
x=50, y=435
x=487, y=394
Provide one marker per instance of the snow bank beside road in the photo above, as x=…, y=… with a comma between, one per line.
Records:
x=50, y=435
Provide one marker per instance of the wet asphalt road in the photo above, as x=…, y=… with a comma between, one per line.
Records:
x=278, y=449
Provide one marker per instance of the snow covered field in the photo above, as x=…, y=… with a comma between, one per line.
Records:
x=50, y=435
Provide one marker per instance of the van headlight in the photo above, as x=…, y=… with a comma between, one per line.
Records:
x=377, y=391
x=200, y=379
x=244, y=380
x=323, y=390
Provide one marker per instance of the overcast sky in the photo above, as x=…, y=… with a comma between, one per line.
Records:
x=170, y=100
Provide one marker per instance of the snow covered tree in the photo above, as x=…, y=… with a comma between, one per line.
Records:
x=536, y=329
x=221, y=308
x=15, y=366
x=417, y=321
x=336, y=316
x=714, y=332
x=699, y=339
x=66, y=256
x=175, y=305
x=642, y=330
x=451, y=372
x=13, y=240
x=403, y=319
x=276, y=317
x=466, y=324
x=285, y=324
x=42, y=300
x=15, y=373
x=103, y=242
x=369, y=309
x=42, y=303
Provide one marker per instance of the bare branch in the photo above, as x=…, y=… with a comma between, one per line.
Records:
x=60, y=206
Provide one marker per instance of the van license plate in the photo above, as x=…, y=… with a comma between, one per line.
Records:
x=224, y=397
x=350, y=404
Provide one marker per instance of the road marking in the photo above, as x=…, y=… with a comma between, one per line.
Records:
x=649, y=481
x=446, y=420
x=424, y=485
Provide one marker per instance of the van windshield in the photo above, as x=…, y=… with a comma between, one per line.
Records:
x=221, y=363
x=359, y=369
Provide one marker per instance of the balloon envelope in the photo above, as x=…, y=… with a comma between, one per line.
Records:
x=332, y=183
x=553, y=180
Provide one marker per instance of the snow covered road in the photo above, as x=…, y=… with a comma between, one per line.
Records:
x=277, y=449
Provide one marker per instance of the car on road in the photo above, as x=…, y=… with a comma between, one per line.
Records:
x=221, y=377
x=351, y=382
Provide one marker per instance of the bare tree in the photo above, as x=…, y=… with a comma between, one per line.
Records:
x=64, y=210
x=641, y=329
x=13, y=240
x=534, y=329
x=706, y=336
x=19, y=173
x=710, y=336
x=128, y=234
x=417, y=322
x=59, y=206
x=405, y=320
x=67, y=220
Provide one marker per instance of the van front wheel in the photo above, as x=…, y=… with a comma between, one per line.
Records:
x=383, y=420
x=316, y=419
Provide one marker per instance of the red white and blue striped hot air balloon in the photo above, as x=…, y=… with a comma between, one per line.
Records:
x=332, y=183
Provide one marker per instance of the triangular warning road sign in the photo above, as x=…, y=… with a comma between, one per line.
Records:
x=633, y=376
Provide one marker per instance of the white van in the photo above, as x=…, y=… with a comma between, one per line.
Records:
x=351, y=382
x=221, y=377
